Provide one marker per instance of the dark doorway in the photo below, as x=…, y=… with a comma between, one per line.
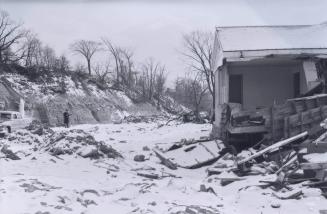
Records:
x=236, y=88
x=296, y=84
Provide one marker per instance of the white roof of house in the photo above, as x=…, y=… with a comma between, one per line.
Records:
x=253, y=38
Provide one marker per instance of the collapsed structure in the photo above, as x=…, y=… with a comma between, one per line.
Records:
x=265, y=79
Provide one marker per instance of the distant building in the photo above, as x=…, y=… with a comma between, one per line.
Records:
x=258, y=66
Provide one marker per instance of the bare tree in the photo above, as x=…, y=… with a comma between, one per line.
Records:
x=124, y=64
x=87, y=49
x=117, y=55
x=199, y=88
x=199, y=48
x=62, y=64
x=11, y=34
x=190, y=91
x=152, y=79
x=48, y=58
x=80, y=68
x=127, y=72
x=32, y=51
x=102, y=72
x=160, y=81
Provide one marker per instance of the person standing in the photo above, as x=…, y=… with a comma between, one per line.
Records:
x=66, y=118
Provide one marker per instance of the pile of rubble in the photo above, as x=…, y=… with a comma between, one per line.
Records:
x=143, y=119
x=292, y=168
x=81, y=143
x=41, y=138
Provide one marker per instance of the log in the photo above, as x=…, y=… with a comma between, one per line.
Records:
x=273, y=147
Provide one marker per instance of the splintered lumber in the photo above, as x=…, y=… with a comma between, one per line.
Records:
x=226, y=181
x=315, y=184
x=313, y=166
x=317, y=147
x=165, y=161
x=151, y=176
x=273, y=147
x=292, y=160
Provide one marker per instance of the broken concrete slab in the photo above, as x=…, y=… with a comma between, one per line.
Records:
x=195, y=155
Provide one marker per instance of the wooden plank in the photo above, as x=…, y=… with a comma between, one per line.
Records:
x=164, y=160
x=150, y=176
x=274, y=146
x=320, y=96
x=316, y=114
x=272, y=121
x=294, y=107
x=317, y=148
x=286, y=127
x=287, y=164
x=247, y=129
x=313, y=166
x=318, y=183
x=301, y=121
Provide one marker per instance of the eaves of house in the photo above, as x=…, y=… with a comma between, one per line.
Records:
x=243, y=43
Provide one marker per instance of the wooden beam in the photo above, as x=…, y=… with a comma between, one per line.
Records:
x=165, y=161
x=247, y=129
x=272, y=122
x=313, y=166
x=274, y=146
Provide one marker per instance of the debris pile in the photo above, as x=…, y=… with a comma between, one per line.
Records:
x=81, y=143
x=40, y=138
x=143, y=119
x=36, y=127
x=290, y=167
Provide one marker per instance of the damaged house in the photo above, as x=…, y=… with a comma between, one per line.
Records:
x=266, y=82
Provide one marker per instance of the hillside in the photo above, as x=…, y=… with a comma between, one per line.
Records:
x=47, y=98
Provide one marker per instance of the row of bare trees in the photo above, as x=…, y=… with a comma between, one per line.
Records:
x=42, y=58
x=191, y=91
x=149, y=78
x=194, y=89
x=117, y=67
x=11, y=33
x=18, y=45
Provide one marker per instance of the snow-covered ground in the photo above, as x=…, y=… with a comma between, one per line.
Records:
x=41, y=183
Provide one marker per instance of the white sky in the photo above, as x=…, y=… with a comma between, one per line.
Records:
x=153, y=28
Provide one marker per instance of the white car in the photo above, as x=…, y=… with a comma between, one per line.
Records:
x=12, y=120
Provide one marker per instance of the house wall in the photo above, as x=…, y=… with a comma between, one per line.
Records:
x=266, y=83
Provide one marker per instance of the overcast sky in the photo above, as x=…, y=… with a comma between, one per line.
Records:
x=153, y=28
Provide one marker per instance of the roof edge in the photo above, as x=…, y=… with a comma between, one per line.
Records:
x=264, y=26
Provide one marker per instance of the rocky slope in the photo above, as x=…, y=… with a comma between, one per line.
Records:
x=47, y=99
